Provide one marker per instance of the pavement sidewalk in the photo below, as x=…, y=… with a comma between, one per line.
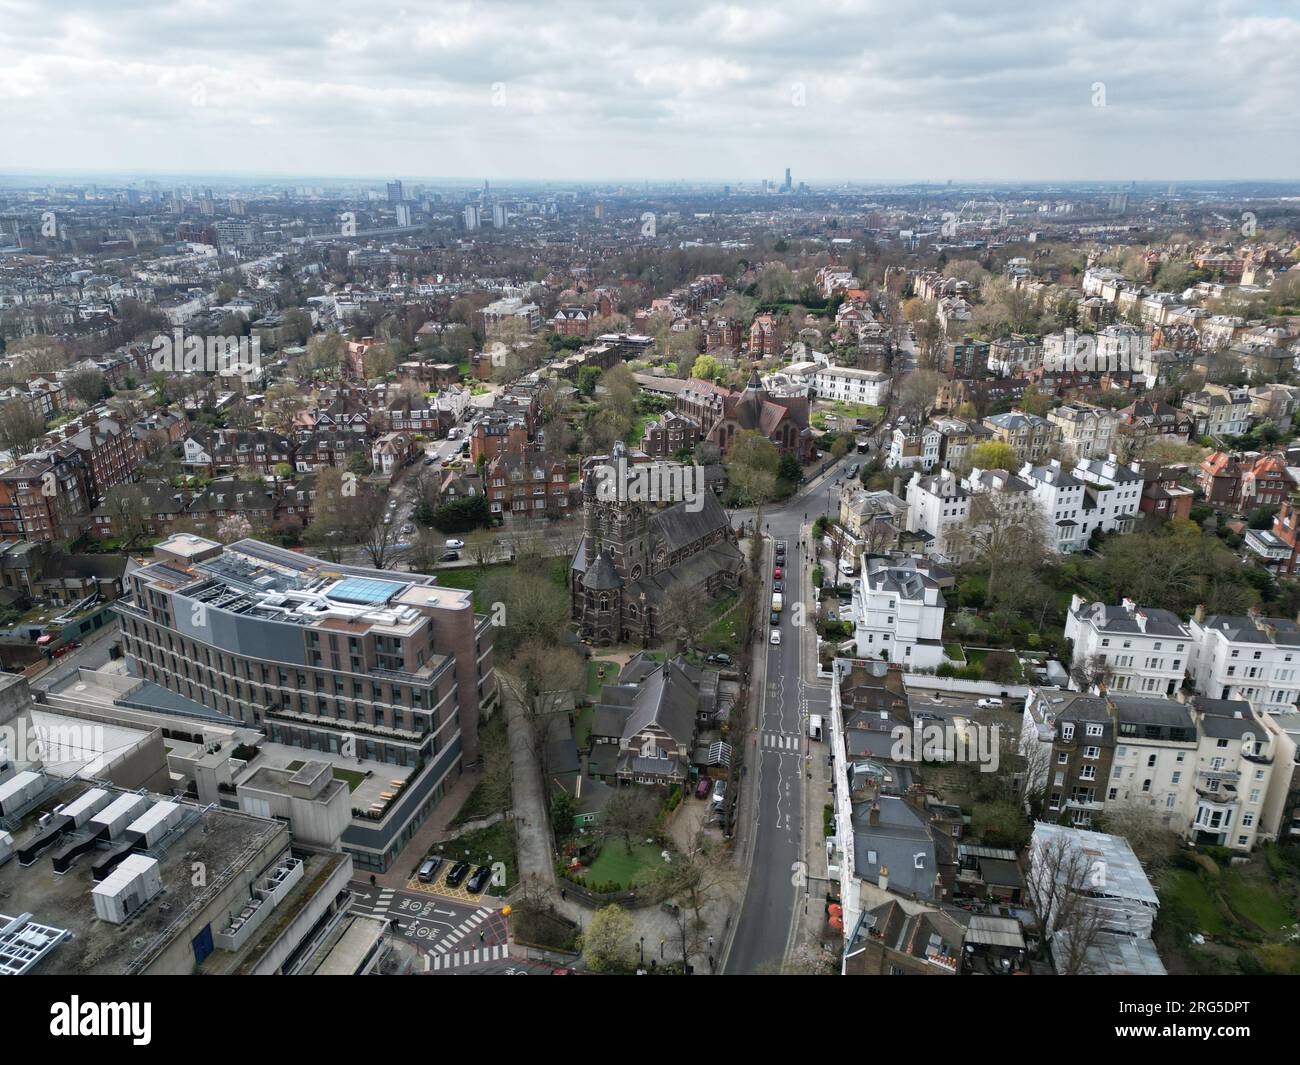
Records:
x=818, y=778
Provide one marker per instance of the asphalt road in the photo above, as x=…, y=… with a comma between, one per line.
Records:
x=449, y=935
x=772, y=900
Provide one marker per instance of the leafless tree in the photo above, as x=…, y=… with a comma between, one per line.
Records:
x=686, y=610
x=1146, y=831
x=1092, y=672
x=1062, y=881
x=630, y=815
x=812, y=959
x=696, y=876
x=1004, y=530
x=20, y=427
x=543, y=678
x=129, y=509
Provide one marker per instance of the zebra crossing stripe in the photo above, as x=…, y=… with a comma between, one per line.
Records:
x=499, y=952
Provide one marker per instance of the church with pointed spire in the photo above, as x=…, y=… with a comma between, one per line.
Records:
x=634, y=551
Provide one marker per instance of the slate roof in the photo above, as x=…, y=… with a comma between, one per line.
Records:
x=1151, y=621
x=894, y=843
x=1241, y=629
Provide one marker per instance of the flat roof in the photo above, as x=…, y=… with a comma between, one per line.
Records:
x=222, y=840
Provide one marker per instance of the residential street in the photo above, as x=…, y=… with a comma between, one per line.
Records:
x=776, y=753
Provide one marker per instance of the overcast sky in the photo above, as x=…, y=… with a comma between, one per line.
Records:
x=862, y=90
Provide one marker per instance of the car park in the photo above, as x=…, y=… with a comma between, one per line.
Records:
x=429, y=869
x=479, y=880
x=458, y=873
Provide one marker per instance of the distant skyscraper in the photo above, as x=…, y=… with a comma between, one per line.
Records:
x=394, y=192
x=471, y=216
x=788, y=184
x=404, y=215
x=500, y=215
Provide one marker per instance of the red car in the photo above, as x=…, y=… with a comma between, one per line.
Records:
x=702, y=788
x=776, y=573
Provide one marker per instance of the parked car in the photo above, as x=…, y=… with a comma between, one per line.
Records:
x=719, y=794
x=778, y=586
x=429, y=870
x=459, y=872
x=449, y=556
x=989, y=704
x=702, y=788
x=454, y=545
x=479, y=880
x=776, y=619
x=719, y=659
x=775, y=637
x=777, y=573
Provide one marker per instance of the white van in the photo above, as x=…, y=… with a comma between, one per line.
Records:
x=815, y=726
x=777, y=602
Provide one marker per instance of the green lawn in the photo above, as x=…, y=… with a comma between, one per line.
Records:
x=720, y=635
x=470, y=578
x=593, y=675
x=1257, y=900
x=858, y=410
x=1193, y=891
x=636, y=433
x=617, y=864
x=350, y=777
x=582, y=725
